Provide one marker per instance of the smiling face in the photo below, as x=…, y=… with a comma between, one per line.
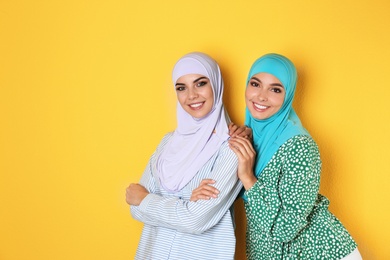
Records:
x=264, y=95
x=195, y=94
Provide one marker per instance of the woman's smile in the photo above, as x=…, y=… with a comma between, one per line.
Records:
x=260, y=108
x=197, y=106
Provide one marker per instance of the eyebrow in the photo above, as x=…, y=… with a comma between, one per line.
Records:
x=272, y=84
x=182, y=84
x=199, y=79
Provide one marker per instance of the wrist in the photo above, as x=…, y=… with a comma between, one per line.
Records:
x=248, y=181
x=142, y=197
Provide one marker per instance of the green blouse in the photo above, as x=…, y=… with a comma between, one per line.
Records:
x=286, y=216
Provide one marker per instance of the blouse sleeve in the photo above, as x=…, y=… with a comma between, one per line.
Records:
x=148, y=182
x=281, y=211
x=196, y=217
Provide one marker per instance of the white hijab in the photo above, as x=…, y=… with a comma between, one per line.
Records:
x=195, y=140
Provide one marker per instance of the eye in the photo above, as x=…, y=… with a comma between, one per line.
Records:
x=277, y=90
x=201, y=83
x=254, y=84
x=180, y=88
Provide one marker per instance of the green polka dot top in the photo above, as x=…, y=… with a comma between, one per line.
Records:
x=286, y=216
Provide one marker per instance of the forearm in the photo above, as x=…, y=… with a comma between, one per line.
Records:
x=187, y=216
x=262, y=206
x=138, y=215
x=248, y=180
x=199, y=216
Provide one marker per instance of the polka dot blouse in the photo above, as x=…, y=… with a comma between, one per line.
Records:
x=286, y=216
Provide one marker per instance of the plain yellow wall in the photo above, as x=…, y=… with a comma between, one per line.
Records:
x=86, y=95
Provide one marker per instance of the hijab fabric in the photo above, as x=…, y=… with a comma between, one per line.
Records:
x=193, y=142
x=269, y=134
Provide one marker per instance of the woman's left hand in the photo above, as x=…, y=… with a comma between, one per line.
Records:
x=246, y=154
x=135, y=193
x=205, y=191
x=243, y=131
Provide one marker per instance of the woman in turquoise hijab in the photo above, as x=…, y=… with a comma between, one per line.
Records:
x=286, y=216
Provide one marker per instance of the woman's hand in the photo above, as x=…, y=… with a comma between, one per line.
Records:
x=135, y=193
x=243, y=131
x=205, y=191
x=246, y=154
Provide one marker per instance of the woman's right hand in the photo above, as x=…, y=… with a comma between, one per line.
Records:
x=205, y=191
x=135, y=193
x=246, y=154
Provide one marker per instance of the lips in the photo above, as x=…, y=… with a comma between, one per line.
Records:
x=259, y=107
x=196, y=106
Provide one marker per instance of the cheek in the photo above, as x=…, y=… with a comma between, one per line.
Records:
x=248, y=102
x=208, y=94
x=181, y=98
x=281, y=100
x=248, y=94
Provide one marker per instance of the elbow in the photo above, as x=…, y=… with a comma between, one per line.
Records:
x=196, y=227
x=135, y=213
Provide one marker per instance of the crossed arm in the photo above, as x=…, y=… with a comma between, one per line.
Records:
x=135, y=193
x=184, y=215
x=189, y=216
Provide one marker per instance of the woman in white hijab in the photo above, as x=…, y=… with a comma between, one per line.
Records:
x=174, y=226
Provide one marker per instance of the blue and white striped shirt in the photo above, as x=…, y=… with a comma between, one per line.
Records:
x=176, y=228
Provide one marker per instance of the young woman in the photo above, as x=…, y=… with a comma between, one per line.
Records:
x=286, y=216
x=174, y=226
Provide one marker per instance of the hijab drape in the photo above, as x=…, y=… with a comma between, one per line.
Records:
x=195, y=140
x=269, y=134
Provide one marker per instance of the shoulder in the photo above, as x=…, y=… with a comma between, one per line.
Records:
x=166, y=138
x=225, y=148
x=300, y=159
x=164, y=141
x=300, y=146
x=227, y=152
x=300, y=143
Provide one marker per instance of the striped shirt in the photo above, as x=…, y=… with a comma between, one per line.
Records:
x=177, y=228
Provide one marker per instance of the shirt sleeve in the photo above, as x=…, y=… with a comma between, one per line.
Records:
x=196, y=217
x=281, y=211
x=148, y=182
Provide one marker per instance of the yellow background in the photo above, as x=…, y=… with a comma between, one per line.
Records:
x=86, y=96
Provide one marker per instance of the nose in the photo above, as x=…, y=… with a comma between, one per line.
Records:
x=262, y=95
x=193, y=93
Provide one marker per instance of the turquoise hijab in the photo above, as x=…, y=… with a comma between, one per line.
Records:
x=269, y=134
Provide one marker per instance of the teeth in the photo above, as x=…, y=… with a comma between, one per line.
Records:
x=196, y=105
x=259, y=106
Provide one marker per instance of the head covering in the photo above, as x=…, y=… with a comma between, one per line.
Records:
x=193, y=142
x=270, y=133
